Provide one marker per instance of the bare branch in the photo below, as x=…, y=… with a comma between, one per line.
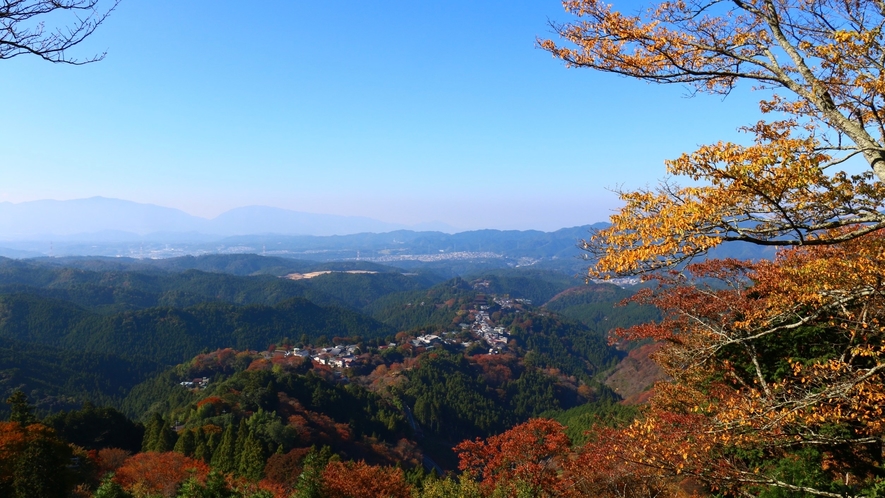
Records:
x=23, y=31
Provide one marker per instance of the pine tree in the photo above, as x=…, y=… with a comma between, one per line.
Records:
x=22, y=412
x=213, y=441
x=223, y=457
x=202, y=452
x=152, y=432
x=201, y=446
x=310, y=482
x=39, y=470
x=187, y=443
x=110, y=489
x=242, y=435
x=252, y=458
x=166, y=438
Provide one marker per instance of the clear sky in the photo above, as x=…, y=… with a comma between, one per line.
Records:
x=402, y=111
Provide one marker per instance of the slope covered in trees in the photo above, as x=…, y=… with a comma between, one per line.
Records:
x=112, y=286
x=263, y=418
x=601, y=307
x=170, y=335
x=536, y=285
x=62, y=379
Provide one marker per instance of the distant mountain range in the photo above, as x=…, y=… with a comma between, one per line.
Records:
x=100, y=218
x=115, y=228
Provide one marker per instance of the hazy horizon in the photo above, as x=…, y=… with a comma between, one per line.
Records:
x=400, y=112
x=47, y=218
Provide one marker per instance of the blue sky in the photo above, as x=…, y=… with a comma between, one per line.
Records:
x=402, y=111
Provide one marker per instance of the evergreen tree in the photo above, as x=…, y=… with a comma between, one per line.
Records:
x=187, y=443
x=22, y=412
x=310, y=482
x=242, y=435
x=166, y=438
x=252, y=458
x=202, y=450
x=40, y=470
x=213, y=441
x=110, y=489
x=152, y=432
x=223, y=457
x=215, y=487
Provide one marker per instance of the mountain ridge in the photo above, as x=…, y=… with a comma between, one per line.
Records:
x=100, y=217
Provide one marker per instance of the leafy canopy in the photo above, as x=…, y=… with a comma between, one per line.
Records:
x=777, y=366
x=821, y=61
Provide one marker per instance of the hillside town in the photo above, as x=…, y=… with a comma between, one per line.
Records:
x=482, y=335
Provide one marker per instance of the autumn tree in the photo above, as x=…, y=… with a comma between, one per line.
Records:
x=110, y=459
x=360, y=480
x=33, y=462
x=776, y=366
x=159, y=473
x=23, y=27
x=820, y=64
x=525, y=458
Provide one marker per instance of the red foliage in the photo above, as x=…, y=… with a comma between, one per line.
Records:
x=110, y=459
x=496, y=369
x=15, y=439
x=214, y=400
x=216, y=361
x=607, y=466
x=527, y=453
x=284, y=469
x=359, y=480
x=159, y=473
x=245, y=487
x=260, y=364
x=210, y=429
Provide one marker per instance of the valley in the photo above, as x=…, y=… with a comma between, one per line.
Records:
x=379, y=364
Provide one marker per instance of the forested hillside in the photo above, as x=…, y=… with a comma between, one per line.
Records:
x=62, y=379
x=601, y=307
x=282, y=375
x=169, y=335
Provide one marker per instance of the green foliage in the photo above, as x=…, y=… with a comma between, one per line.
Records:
x=95, y=428
x=449, y=400
x=599, y=307
x=532, y=393
x=109, y=489
x=35, y=464
x=20, y=410
x=176, y=334
x=527, y=283
x=571, y=347
x=224, y=457
x=462, y=487
x=252, y=456
x=405, y=311
x=360, y=290
x=215, y=487
x=107, y=316
x=58, y=379
x=581, y=419
x=310, y=481
x=186, y=444
x=802, y=468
